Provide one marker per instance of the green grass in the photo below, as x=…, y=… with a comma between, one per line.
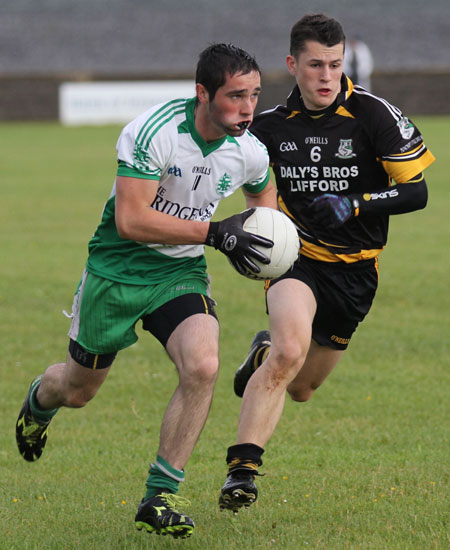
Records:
x=363, y=465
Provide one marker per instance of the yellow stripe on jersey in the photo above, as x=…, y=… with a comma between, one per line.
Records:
x=402, y=170
x=418, y=179
x=343, y=112
x=350, y=86
x=316, y=252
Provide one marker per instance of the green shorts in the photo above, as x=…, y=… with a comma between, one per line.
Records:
x=105, y=313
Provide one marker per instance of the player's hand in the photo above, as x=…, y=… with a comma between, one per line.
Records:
x=230, y=237
x=330, y=210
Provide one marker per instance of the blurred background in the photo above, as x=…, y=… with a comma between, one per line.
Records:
x=47, y=43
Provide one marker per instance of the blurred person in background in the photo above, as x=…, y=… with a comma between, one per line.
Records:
x=358, y=62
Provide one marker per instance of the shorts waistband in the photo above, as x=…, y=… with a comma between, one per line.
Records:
x=340, y=266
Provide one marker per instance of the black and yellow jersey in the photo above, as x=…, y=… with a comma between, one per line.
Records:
x=360, y=144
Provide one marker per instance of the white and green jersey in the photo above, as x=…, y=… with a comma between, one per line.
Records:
x=163, y=144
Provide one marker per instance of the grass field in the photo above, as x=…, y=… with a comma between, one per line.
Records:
x=363, y=465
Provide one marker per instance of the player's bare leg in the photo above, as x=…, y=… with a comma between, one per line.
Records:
x=319, y=363
x=264, y=395
x=63, y=384
x=69, y=384
x=292, y=308
x=194, y=348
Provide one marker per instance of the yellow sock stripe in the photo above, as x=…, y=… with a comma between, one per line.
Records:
x=242, y=462
x=234, y=462
x=251, y=466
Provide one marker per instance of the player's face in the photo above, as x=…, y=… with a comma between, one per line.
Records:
x=231, y=110
x=318, y=71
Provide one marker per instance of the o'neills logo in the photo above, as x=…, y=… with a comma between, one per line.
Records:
x=183, y=212
x=340, y=340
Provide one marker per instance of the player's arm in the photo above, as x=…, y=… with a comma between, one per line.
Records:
x=137, y=221
x=398, y=199
x=266, y=197
x=334, y=210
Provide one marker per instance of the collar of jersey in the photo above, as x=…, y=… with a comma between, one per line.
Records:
x=188, y=127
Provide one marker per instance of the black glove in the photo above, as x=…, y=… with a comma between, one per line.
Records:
x=230, y=237
x=331, y=210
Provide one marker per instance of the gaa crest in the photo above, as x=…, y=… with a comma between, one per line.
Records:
x=345, y=150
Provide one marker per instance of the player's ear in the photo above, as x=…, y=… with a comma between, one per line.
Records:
x=291, y=64
x=202, y=93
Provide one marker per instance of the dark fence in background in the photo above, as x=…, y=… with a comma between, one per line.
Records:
x=36, y=98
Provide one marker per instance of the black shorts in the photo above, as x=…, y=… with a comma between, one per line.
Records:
x=344, y=294
x=164, y=320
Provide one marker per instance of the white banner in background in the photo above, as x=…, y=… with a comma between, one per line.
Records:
x=116, y=102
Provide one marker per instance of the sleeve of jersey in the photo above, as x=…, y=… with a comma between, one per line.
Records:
x=403, y=152
x=140, y=156
x=257, y=161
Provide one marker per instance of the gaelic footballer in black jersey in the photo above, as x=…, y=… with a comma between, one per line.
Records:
x=344, y=161
x=360, y=147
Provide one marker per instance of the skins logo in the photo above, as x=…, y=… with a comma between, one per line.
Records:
x=383, y=195
x=406, y=128
x=345, y=150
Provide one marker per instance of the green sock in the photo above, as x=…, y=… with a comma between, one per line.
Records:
x=40, y=414
x=162, y=476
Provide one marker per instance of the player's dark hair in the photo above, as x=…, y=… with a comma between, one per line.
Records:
x=219, y=60
x=317, y=27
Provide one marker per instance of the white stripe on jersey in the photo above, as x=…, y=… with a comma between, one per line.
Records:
x=395, y=111
x=270, y=110
x=410, y=156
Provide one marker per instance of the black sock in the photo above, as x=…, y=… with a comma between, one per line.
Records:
x=245, y=452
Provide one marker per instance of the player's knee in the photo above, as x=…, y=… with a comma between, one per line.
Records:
x=203, y=370
x=288, y=357
x=208, y=369
x=282, y=366
x=78, y=397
